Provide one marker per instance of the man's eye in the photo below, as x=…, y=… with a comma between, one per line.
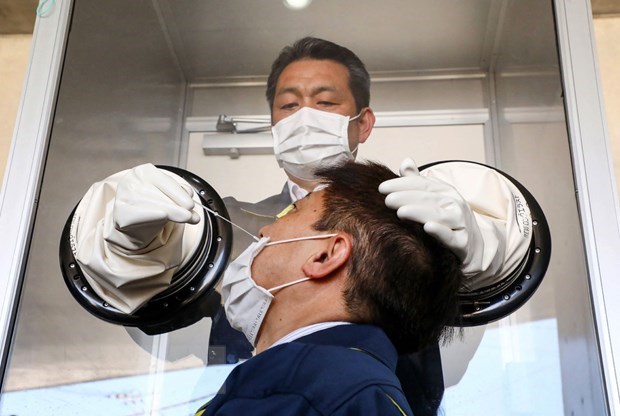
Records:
x=288, y=106
x=326, y=103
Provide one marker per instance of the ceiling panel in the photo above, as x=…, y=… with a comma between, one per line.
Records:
x=241, y=38
x=224, y=39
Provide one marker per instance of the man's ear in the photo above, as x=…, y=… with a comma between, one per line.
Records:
x=332, y=256
x=366, y=123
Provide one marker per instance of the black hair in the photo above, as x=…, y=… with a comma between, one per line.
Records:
x=399, y=277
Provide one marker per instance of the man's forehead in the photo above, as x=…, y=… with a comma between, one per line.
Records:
x=319, y=73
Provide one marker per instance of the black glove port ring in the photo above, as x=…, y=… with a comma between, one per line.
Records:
x=191, y=295
x=499, y=300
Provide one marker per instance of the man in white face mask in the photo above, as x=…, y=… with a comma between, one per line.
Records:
x=332, y=292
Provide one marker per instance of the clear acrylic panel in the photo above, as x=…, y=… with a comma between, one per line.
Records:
x=144, y=80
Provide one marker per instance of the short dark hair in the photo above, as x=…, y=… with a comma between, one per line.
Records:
x=399, y=277
x=320, y=49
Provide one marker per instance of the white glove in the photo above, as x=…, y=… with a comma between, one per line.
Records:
x=471, y=209
x=146, y=200
x=132, y=231
x=443, y=211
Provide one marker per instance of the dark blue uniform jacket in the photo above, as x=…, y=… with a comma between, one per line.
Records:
x=343, y=370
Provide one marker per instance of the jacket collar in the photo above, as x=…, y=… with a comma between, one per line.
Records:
x=367, y=338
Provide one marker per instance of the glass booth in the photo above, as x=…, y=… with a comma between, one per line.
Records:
x=123, y=83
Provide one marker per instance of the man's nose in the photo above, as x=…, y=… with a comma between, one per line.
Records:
x=262, y=231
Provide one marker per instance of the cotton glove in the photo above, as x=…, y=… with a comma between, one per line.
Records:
x=146, y=200
x=443, y=211
x=132, y=231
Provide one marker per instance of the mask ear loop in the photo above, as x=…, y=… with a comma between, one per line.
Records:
x=354, y=151
x=290, y=240
x=356, y=116
x=294, y=282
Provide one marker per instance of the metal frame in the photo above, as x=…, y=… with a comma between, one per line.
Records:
x=594, y=178
x=22, y=178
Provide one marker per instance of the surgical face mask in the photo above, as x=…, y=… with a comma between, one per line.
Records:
x=245, y=302
x=309, y=139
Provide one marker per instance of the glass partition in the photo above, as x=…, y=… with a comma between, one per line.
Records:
x=144, y=81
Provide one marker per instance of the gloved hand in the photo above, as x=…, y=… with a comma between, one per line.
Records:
x=146, y=200
x=443, y=211
x=132, y=231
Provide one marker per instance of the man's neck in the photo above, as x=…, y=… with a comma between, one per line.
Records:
x=269, y=333
x=280, y=322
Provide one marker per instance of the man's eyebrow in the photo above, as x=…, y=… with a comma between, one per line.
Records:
x=287, y=90
x=314, y=91
x=323, y=88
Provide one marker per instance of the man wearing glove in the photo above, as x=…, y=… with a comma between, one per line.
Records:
x=319, y=96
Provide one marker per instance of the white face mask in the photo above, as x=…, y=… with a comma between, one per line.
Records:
x=245, y=302
x=309, y=139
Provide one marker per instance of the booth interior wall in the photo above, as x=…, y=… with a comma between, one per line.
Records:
x=534, y=147
x=120, y=104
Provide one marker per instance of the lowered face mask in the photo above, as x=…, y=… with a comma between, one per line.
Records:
x=245, y=302
x=309, y=139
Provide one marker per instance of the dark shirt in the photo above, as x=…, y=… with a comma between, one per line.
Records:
x=342, y=370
